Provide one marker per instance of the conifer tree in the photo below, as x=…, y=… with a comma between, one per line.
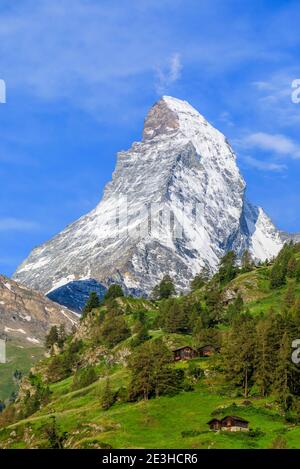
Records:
x=92, y=303
x=108, y=396
x=238, y=353
x=264, y=356
x=247, y=262
x=285, y=372
x=289, y=297
x=165, y=289
x=292, y=267
x=52, y=338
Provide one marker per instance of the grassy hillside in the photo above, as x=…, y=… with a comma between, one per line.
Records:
x=167, y=422
x=175, y=420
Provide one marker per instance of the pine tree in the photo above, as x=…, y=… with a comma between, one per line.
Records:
x=292, y=267
x=284, y=373
x=62, y=336
x=213, y=312
x=238, y=353
x=92, y=303
x=108, y=396
x=247, y=262
x=289, y=297
x=114, y=291
x=52, y=338
x=227, y=269
x=165, y=289
x=174, y=317
x=277, y=276
x=199, y=281
x=235, y=309
x=264, y=356
x=55, y=437
x=151, y=374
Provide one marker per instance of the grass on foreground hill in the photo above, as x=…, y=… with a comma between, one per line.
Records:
x=166, y=422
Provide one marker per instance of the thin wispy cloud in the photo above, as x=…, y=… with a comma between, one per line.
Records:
x=16, y=224
x=274, y=143
x=261, y=165
x=169, y=74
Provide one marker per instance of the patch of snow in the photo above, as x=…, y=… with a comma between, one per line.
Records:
x=33, y=340
x=9, y=329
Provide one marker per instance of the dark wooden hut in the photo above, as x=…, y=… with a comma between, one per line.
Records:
x=206, y=351
x=184, y=353
x=229, y=423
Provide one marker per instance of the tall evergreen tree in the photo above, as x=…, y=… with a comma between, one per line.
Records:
x=114, y=291
x=238, y=353
x=264, y=356
x=247, y=262
x=285, y=373
x=227, y=269
x=165, y=289
x=92, y=303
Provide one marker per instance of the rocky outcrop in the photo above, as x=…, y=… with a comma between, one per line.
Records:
x=27, y=316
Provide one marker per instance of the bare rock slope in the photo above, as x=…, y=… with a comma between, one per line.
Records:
x=27, y=315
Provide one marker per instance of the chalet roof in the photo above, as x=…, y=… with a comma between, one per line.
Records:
x=213, y=420
x=182, y=347
x=234, y=417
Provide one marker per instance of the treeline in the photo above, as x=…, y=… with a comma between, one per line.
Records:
x=286, y=266
x=256, y=354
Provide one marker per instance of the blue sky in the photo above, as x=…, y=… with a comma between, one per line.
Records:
x=81, y=75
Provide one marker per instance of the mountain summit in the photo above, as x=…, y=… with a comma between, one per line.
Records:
x=176, y=204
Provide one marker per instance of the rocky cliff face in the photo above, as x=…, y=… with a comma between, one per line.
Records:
x=27, y=316
x=176, y=204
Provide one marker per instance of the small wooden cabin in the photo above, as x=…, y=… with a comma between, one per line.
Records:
x=215, y=424
x=234, y=424
x=184, y=353
x=206, y=351
x=229, y=423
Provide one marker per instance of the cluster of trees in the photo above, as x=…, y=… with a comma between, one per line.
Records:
x=257, y=353
x=36, y=396
x=94, y=302
x=112, y=327
x=56, y=337
x=62, y=365
x=151, y=373
x=164, y=289
x=286, y=266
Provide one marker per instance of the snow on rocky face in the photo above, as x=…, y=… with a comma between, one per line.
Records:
x=27, y=316
x=176, y=204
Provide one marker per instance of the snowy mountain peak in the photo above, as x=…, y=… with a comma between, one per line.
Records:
x=171, y=115
x=176, y=204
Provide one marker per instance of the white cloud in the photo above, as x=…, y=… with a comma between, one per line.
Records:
x=16, y=224
x=263, y=165
x=276, y=143
x=168, y=75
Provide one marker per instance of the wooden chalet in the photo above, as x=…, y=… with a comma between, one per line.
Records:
x=206, y=351
x=184, y=353
x=229, y=423
x=215, y=424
